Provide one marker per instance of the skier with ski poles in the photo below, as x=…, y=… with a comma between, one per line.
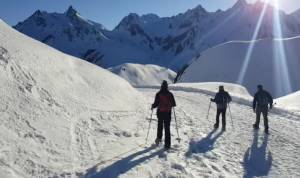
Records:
x=261, y=101
x=222, y=98
x=164, y=101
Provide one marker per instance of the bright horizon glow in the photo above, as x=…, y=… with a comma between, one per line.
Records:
x=244, y=68
x=283, y=85
x=277, y=4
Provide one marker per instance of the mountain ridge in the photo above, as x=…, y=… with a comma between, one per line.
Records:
x=171, y=42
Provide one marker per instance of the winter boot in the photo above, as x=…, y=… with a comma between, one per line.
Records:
x=216, y=126
x=157, y=141
x=266, y=131
x=167, y=148
x=255, y=126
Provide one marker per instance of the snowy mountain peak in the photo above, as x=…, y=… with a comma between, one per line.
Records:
x=128, y=21
x=133, y=17
x=149, y=18
x=71, y=12
x=240, y=4
x=197, y=11
x=37, y=18
x=37, y=13
x=149, y=39
x=199, y=8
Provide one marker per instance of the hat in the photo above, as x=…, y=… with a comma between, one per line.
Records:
x=221, y=87
x=164, y=85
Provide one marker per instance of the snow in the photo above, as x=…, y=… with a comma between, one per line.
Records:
x=57, y=110
x=238, y=152
x=213, y=87
x=290, y=102
x=63, y=117
x=223, y=63
x=171, y=42
x=144, y=75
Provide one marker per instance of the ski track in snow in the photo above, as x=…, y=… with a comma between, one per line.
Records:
x=203, y=152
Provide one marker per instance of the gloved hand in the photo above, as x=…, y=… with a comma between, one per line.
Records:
x=254, y=110
x=211, y=99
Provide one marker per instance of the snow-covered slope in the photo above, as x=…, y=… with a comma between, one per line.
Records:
x=290, y=102
x=148, y=39
x=236, y=91
x=56, y=110
x=205, y=152
x=143, y=75
x=267, y=66
x=62, y=117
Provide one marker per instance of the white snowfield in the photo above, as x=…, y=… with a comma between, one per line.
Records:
x=266, y=65
x=57, y=110
x=144, y=75
x=63, y=117
x=237, y=91
x=290, y=102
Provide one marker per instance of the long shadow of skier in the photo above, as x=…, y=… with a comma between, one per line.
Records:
x=122, y=166
x=257, y=161
x=204, y=145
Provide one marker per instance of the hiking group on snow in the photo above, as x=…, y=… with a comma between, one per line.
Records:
x=165, y=101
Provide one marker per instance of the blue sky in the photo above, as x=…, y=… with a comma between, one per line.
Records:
x=110, y=12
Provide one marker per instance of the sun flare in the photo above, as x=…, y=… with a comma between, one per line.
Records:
x=275, y=3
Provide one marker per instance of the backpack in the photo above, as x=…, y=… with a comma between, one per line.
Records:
x=222, y=103
x=165, y=104
x=262, y=99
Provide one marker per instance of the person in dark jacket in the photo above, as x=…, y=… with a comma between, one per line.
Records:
x=261, y=101
x=164, y=101
x=222, y=98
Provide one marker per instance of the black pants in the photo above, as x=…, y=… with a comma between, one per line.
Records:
x=219, y=112
x=262, y=110
x=164, y=120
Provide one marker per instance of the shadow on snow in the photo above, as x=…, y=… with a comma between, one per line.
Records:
x=122, y=166
x=204, y=145
x=257, y=161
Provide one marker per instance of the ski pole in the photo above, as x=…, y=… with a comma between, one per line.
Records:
x=230, y=115
x=178, y=138
x=208, y=110
x=149, y=127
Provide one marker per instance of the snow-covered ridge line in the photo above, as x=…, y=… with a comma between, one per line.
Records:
x=255, y=41
x=139, y=74
x=236, y=99
x=169, y=41
x=233, y=63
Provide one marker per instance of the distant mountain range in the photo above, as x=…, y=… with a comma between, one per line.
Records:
x=149, y=39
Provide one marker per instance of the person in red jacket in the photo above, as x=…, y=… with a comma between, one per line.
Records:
x=164, y=101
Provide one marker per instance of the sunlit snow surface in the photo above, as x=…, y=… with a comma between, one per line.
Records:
x=62, y=117
x=224, y=62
